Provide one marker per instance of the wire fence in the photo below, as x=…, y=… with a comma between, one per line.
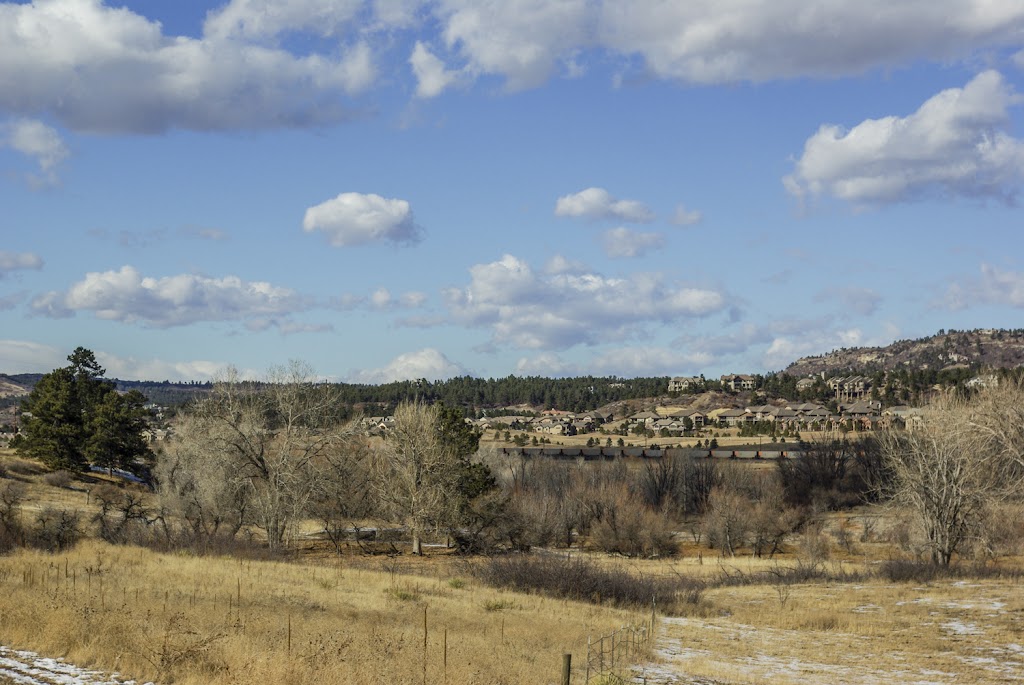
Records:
x=614, y=653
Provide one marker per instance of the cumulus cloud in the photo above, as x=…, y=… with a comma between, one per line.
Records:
x=133, y=368
x=26, y=356
x=432, y=78
x=383, y=299
x=994, y=286
x=18, y=261
x=628, y=362
x=40, y=142
x=353, y=219
x=99, y=68
x=256, y=19
x=863, y=301
x=527, y=309
x=788, y=347
x=954, y=145
x=649, y=361
x=725, y=41
x=686, y=217
x=623, y=242
x=427, y=363
x=733, y=40
x=298, y=63
x=597, y=203
x=128, y=296
x=522, y=40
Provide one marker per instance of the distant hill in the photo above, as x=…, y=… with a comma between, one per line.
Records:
x=980, y=348
x=15, y=386
x=18, y=384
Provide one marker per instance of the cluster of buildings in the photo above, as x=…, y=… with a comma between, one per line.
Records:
x=861, y=415
x=804, y=416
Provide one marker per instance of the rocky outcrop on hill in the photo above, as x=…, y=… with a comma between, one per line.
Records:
x=982, y=348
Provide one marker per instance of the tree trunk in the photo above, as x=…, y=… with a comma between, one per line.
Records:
x=417, y=545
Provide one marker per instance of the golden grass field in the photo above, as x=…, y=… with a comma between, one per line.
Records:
x=360, y=619
x=874, y=632
x=183, y=619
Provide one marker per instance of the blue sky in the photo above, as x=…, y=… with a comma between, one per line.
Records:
x=413, y=189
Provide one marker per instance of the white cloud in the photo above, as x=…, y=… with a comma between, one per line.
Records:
x=863, y=301
x=296, y=63
x=953, y=145
x=786, y=349
x=25, y=356
x=627, y=362
x=686, y=217
x=426, y=363
x=522, y=40
x=546, y=364
x=623, y=242
x=126, y=295
x=106, y=69
x=132, y=368
x=533, y=310
x=38, y=141
x=356, y=219
x=250, y=19
x=733, y=40
x=994, y=286
x=18, y=261
x=431, y=76
x=649, y=361
x=597, y=203
x=722, y=41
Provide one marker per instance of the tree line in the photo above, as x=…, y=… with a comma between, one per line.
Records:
x=270, y=455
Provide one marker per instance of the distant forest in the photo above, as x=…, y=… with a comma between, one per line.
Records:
x=476, y=396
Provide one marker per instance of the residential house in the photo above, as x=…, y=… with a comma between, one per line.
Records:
x=736, y=382
x=684, y=383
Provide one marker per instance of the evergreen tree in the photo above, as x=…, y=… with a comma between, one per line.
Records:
x=77, y=416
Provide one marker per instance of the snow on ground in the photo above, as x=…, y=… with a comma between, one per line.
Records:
x=966, y=636
x=28, y=668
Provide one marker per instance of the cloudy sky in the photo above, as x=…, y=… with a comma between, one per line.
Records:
x=404, y=188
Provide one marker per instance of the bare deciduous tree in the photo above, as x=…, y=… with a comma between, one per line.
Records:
x=272, y=440
x=952, y=464
x=416, y=471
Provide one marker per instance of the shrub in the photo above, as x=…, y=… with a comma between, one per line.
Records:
x=56, y=529
x=58, y=479
x=21, y=467
x=578, y=579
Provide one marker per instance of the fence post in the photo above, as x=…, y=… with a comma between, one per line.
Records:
x=588, y=660
x=566, y=668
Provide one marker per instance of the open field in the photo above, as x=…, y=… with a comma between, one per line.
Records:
x=361, y=618
x=873, y=632
x=208, y=620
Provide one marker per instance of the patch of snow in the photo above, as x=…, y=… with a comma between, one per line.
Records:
x=28, y=668
x=961, y=628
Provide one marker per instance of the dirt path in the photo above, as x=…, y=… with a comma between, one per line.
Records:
x=28, y=668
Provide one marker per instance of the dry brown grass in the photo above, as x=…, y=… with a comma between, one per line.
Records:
x=963, y=632
x=207, y=620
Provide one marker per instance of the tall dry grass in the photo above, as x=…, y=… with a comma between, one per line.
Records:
x=176, y=618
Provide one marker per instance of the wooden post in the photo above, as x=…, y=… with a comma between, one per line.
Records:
x=588, y=660
x=566, y=668
x=424, y=645
x=289, y=634
x=446, y=656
